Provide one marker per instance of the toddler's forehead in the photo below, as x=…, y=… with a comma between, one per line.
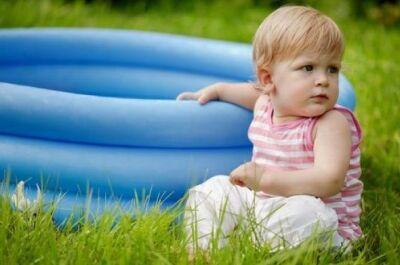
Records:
x=311, y=53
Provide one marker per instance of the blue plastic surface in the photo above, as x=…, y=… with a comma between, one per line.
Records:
x=93, y=108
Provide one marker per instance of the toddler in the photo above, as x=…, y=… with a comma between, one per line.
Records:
x=304, y=173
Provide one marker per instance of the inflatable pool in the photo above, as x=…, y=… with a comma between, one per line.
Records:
x=94, y=111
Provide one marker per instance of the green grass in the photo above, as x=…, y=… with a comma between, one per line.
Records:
x=371, y=64
x=151, y=237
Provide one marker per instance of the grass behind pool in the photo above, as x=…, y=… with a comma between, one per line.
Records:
x=370, y=63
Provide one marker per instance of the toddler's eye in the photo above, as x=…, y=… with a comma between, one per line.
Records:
x=308, y=68
x=333, y=69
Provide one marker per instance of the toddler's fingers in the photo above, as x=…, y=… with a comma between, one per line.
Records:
x=204, y=99
x=231, y=180
x=237, y=181
x=186, y=96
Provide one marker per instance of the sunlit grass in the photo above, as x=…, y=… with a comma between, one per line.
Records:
x=151, y=237
x=371, y=64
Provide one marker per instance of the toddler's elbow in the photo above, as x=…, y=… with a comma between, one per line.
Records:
x=334, y=184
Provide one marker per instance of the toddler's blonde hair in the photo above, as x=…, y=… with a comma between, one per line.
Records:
x=290, y=30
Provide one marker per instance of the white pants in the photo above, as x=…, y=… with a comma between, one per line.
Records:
x=217, y=206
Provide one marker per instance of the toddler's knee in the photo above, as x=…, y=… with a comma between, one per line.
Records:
x=304, y=202
x=219, y=180
x=306, y=209
x=217, y=183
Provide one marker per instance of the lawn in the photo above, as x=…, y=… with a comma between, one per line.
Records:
x=370, y=63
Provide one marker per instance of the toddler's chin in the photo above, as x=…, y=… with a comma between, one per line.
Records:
x=316, y=111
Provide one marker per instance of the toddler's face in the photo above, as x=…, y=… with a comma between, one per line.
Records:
x=306, y=85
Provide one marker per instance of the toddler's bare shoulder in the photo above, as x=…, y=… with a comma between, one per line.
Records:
x=332, y=119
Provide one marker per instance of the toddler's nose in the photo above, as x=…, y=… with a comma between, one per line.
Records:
x=321, y=79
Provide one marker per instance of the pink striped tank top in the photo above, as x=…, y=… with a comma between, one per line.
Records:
x=289, y=146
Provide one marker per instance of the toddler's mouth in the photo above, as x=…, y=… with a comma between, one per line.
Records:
x=320, y=96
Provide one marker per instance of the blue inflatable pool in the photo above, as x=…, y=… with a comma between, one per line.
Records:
x=93, y=110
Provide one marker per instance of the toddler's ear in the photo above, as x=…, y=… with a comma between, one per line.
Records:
x=264, y=76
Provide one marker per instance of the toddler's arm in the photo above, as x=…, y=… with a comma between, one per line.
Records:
x=332, y=153
x=242, y=94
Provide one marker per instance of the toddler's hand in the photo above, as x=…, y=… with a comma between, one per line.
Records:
x=247, y=175
x=203, y=96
